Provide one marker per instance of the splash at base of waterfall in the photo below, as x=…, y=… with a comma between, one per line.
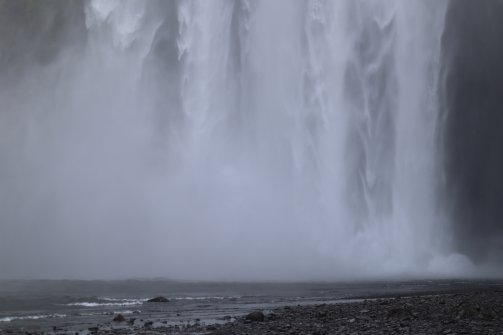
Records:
x=237, y=139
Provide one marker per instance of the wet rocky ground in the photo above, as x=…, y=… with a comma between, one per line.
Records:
x=475, y=312
x=468, y=313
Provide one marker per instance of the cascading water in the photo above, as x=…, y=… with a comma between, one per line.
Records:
x=245, y=139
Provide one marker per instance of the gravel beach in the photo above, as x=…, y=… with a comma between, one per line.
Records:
x=473, y=312
x=467, y=313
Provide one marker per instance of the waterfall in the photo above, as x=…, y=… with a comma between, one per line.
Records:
x=251, y=139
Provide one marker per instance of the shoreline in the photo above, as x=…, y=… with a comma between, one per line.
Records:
x=475, y=311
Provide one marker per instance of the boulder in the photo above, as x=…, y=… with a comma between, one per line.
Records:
x=119, y=318
x=158, y=299
x=255, y=316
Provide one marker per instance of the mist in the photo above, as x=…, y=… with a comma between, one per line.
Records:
x=236, y=140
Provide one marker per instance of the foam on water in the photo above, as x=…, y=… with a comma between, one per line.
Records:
x=97, y=304
x=32, y=317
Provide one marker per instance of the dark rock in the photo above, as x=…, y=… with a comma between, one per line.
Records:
x=395, y=312
x=158, y=299
x=272, y=316
x=93, y=329
x=256, y=316
x=119, y=318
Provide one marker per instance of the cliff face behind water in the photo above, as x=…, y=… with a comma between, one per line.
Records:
x=35, y=32
x=473, y=65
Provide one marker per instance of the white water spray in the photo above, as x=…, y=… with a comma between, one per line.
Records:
x=248, y=140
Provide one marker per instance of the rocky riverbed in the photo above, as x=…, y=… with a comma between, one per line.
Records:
x=474, y=312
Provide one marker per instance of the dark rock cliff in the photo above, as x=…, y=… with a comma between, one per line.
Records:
x=473, y=133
